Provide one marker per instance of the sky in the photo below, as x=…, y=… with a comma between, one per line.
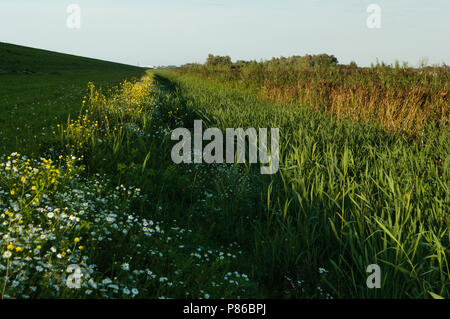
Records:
x=174, y=32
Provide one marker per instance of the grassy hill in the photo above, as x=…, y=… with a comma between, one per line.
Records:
x=40, y=88
x=15, y=59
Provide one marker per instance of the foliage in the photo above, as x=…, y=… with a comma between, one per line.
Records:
x=217, y=60
x=397, y=98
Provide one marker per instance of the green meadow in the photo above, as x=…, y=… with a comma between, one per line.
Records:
x=92, y=206
x=39, y=89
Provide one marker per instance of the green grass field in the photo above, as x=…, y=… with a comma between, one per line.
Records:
x=39, y=89
x=100, y=191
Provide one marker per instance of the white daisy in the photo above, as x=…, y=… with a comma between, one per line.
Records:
x=7, y=254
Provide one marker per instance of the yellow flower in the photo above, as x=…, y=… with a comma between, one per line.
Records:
x=10, y=247
x=39, y=247
x=33, y=188
x=77, y=239
x=12, y=192
x=23, y=179
x=18, y=249
x=80, y=247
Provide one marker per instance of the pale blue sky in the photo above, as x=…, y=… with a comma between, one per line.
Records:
x=161, y=32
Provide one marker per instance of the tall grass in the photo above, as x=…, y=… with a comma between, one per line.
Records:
x=348, y=195
x=398, y=98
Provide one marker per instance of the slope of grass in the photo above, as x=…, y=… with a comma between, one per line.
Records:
x=15, y=59
x=39, y=89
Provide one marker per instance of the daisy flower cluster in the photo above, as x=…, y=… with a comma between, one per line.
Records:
x=52, y=217
x=35, y=242
x=46, y=213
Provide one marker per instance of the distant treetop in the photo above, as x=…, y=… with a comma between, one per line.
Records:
x=308, y=60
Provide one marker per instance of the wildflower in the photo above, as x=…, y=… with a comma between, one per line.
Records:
x=126, y=291
x=125, y=266
x=7, y=254
x=77, y=239
x=10, y=247
x=106, y=281
x=92, y=284
x=135, y=291
x=80, y=247
x=19, y=249
x=322, y=270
